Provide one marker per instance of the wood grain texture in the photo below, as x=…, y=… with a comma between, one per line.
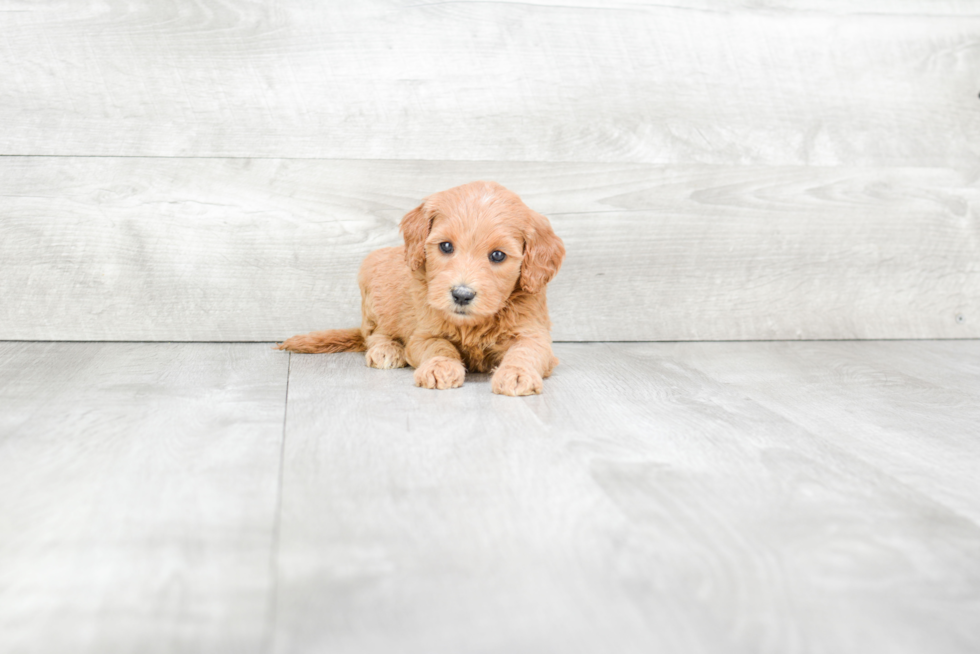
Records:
x=641, y=504
x=700, y=497
x=762, y=83
x=918, y=405
x=138, y=496
x=255, y=249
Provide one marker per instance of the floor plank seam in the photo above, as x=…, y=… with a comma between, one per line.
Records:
x=274, y=555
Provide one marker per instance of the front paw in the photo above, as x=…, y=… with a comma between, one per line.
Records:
x=386, y=356
x=514, y=381
x=441, y=373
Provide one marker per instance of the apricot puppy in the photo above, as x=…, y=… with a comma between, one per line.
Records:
x=465, y=292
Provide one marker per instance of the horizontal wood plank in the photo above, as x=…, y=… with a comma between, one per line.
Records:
x=253, y=249
x=138, y=496
x=818, y=83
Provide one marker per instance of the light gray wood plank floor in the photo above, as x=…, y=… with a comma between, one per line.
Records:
x=697, y=497
x=138, y=495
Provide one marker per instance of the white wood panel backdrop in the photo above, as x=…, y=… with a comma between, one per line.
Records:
x=239, y=249
x=215, y=170
x=653, y=81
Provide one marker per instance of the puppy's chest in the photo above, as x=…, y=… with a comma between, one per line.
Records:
x=480, y=352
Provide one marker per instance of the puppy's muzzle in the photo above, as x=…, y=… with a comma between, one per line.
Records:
x=463, y=295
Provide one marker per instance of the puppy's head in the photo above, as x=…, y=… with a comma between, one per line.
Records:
x=477, y=244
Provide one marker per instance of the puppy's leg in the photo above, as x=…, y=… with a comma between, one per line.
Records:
x=524, y=366
x=384, y=353
x=437, y=362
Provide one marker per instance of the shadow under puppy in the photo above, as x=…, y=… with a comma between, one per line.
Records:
x=466, y=292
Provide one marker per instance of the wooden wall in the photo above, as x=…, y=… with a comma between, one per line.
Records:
x=216, y=169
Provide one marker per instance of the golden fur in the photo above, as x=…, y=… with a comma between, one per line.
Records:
x=409, y=316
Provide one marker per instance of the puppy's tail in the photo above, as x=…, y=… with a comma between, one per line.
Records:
x=331, y=340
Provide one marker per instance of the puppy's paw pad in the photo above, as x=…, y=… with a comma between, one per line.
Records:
x=510, y=380
x=440, y=373
x=386, y=356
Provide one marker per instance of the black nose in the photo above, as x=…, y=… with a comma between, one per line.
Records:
x=463, y=294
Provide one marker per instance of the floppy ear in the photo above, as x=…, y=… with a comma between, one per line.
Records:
x=415, y=228
x=543, y=253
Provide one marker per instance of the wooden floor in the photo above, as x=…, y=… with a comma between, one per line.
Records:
x=659, y=497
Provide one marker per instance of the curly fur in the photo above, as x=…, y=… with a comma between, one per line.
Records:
x=409, y=316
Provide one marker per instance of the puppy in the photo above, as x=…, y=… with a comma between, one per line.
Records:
x=466, y=292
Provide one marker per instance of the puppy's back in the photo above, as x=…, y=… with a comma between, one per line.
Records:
x=385, y=281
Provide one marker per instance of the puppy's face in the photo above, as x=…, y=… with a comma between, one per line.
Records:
x=472, y=263
x=479, y=243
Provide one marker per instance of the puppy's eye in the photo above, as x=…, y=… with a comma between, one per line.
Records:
x=497, y=256
x=446, y=247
